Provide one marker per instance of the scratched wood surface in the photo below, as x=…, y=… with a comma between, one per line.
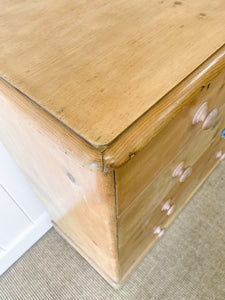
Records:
x=98, y=66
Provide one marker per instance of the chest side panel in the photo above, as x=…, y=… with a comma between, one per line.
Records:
x=66, y=177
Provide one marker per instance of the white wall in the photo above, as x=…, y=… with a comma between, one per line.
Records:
x=23, y=219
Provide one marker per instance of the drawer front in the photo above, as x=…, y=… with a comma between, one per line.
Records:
x=164, y=182
x=134, y=176
x=134, y=245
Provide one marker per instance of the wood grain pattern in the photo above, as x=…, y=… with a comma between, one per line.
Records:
x=115, y=284
x=133, y=251
x=46, y=125
x=153, y=122
x=79, y=197
x=96, y=107
x=132, y=222
x=86, y=62
x=135, y=175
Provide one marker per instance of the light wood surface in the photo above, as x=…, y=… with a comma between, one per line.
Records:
x=153, y=122
x=115, y=284
x=65, y=175
x=133, y=252
x=135, y=175
x=139, y=212
x=46, y=125
x=96, y=107
x=99, y=66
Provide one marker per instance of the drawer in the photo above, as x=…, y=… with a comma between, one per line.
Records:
x=162, y=184
x=135, y=244
x=134, y=176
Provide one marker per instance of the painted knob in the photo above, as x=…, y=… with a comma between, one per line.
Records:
x=207, y=118
x=181, y=172
x=159, y=231
x=168, y=207
x=223, y=134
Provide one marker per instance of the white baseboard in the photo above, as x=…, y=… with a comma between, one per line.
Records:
x=19, y=246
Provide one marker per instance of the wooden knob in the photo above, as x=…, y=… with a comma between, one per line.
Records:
x=181, y=172
x=159, y=231
x=171, y=210
x=220, y=155
x=186, y=174
x=167, y=206
x=210, y=120
x=207, y=118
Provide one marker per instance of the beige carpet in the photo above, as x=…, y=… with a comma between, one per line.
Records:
x=187, y=263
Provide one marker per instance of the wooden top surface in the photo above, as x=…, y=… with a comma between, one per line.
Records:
x=98, y=66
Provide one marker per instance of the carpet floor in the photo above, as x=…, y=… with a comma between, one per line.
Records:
x=187, y=263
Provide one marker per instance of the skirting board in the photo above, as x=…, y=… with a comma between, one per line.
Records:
x=26, y=240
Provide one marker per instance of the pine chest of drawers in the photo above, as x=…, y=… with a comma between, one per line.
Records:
x=115, y=113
